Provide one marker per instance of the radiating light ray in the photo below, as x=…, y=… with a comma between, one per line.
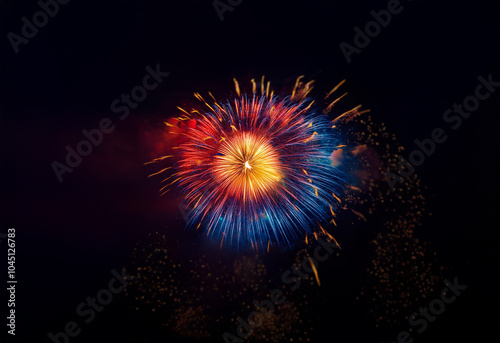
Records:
x=335, y=88
x=314, y=270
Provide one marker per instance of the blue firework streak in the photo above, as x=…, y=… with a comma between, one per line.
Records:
x=259, y=169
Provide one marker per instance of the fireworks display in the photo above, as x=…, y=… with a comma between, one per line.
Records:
x=241, y=172
x=260, y=169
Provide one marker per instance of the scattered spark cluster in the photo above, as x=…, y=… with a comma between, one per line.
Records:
x=200, y=298
x=402, y=271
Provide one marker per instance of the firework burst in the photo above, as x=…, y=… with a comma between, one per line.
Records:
x=259, y=169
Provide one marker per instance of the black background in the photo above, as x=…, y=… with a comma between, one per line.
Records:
x=71, y=234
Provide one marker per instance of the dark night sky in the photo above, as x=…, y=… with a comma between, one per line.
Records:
x=71, y=234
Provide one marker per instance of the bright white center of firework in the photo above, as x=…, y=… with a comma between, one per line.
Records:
x=247, y=166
